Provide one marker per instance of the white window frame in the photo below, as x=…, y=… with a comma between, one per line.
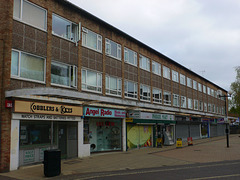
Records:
x=209, y=107
x=157, y=100
x=175, y=77
x=127, y=56
x=194, y=84
x=205, y=107
x=189, y=82
x=199, y=87
x=72, y=74
x=183, y=102
x=70, y=28
x=208, y=91
x=127, y=94
x=19, y=68
x=85, y=33
x=212, y=92
x=190, y=103
x=156, y=68
x=144, y=63
x=200, y=106
x=204, y=89
x=176, y=100
x=144, y=97
x=195, y=105
x=183, y=79
x=108, y=49
x=21, y=15
x=166, y=72
x=85, y=82
x=167, y=101
x=114, y=92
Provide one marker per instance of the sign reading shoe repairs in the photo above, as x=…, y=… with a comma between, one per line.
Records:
x=45, y=108
x=102, y=112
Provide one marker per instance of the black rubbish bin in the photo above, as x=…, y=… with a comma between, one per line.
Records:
x=52, y=162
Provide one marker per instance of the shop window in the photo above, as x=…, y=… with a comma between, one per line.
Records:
x=130, y=89
x=30, y=13
x=183, y=102
x=166, y=72
x=144, y=63
x=64, y=28
x=63, y=74
x=130, y=56
x=195, y=104
x=156, y=68
x=113, y=49
x=113, y=85
x=157, y=95
x=27, y=66
x=167, y=98
x=91, y=80
x=190, y=105
x=175, y=100
x=182, y=79
x=175, y=76
x=189, y=82
x=91, y=40
x=145, y=94
x=105, y=134
x=36, y=133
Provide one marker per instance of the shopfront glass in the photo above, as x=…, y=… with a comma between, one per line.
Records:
x=105, y=134
x=139, y=136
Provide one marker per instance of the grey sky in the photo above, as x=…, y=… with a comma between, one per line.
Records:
x=202, y=35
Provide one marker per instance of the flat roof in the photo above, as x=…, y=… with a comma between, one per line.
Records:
x=109, y=26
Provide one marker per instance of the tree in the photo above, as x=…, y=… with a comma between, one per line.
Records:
x=235, y=88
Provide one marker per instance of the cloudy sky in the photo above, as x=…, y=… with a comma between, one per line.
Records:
x=202, y=35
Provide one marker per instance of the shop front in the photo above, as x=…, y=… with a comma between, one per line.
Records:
x=38, y=126
x=149, y=129
x=103, y=129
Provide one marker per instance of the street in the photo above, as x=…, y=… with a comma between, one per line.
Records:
x=200, y=171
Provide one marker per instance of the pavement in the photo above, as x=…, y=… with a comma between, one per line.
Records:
x=203, y=151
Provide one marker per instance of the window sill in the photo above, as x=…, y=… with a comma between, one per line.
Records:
x=29, y=80
x=72, y=41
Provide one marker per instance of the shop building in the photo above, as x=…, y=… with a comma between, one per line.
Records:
x=65, y=56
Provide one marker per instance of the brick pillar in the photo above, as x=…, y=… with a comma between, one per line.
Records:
x=6, y=23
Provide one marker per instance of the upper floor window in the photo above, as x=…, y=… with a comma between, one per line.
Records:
x=183, y=102
x=145, y=93
x=213, y=108
x=144, y=63
x=30, y=13
x=27, y=66
x=113, y=85
x=182, y=79
x=175, y=76
x=176, y=100
x=63, y=74
x=156, y=68
x=166, y=72
x=208, y=91
x=130, y=56
x=113, y=49
x=200, y=105
x=200, y=87
x=195, y=104
x=195, y=85
x=64, y=28
x=91, y=40
x=189, y=82
x=212, y=92
x=209, y=107
x=190, y=105
x=91, y=80
x=130, y=89
x=157, y=95
x=204, y=89
x=167, y=98
x=205, y=107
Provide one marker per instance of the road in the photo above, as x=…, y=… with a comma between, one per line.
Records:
x=199, y=171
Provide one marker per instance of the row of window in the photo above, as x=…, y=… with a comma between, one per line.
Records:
x=36, y=16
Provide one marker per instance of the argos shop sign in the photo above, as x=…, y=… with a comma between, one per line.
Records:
x=102, y=112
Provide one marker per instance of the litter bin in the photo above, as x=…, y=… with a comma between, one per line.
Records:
x=52, y=162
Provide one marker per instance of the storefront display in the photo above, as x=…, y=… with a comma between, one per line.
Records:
x=103, y=129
